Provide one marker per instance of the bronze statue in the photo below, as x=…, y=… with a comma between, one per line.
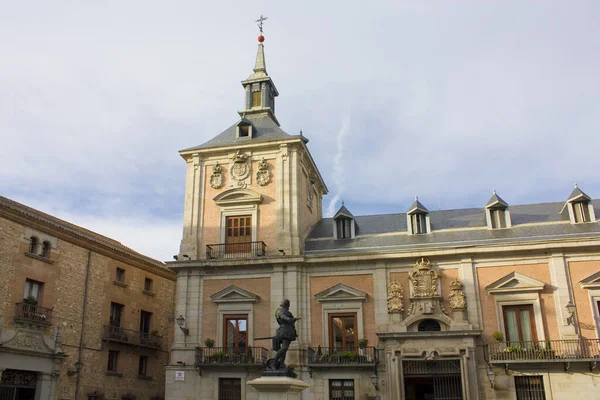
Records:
x=286, y=334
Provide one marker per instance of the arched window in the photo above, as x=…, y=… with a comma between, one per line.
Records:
x=429, y=325
x=45, y=249
x=33, y=244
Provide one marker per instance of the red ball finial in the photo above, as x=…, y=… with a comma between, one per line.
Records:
x=261, y=38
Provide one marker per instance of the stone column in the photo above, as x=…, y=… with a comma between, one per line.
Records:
x=380, y=296
x=559, y=276
x=466, y=274
x=45, y=387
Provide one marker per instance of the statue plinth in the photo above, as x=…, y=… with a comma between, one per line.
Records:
x=278, y=387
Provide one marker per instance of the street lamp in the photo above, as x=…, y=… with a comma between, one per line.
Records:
x=78, y=365
x=491, y=377
x=180, y=321
x=571, y=310
x=375, y=380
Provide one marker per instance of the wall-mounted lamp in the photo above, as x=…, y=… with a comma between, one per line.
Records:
x=175, y=257
x=571, y=310
x=491, y=377
x=78, y=365
x=375, y=380
x=181, y=321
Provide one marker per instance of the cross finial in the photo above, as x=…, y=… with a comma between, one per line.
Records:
x=575, y=184
x=260, y=22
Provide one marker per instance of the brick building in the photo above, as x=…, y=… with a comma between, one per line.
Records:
x=497, y=302
x=82, y=316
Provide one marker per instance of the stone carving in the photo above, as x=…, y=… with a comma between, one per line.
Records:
x=216, y=179
x=240, y=169
x=11, y=377
x=394, y=299
x=424, y=279
x=28, y=341
x=58, y=340
x=457, y=297
x=263, y=176
x=309, y=196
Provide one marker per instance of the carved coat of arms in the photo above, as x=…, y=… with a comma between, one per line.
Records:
x=263, y=176
x=216, y=179
x=240, y=169
x=457, y=297
x=394, y=299
x=424, y=279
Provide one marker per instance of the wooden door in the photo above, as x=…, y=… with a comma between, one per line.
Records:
x=238, y=235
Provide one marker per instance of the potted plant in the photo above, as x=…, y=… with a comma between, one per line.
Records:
x=362, y=345
x=208, y=342
x=498, y=336
x=30, y=300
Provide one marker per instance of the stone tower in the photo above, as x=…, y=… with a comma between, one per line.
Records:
x=253, y=189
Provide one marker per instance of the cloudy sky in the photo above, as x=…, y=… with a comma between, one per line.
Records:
x=446, y=100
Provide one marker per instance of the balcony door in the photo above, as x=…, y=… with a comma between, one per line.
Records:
x=343, y=332
x=235, y=332
x=238, y=234
x=519, y=323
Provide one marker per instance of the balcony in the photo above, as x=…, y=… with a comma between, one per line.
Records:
x=224, y=357
x=565, y=351
x=335, y=357
x=135, y=338
x=33, y=314
x=231, y=251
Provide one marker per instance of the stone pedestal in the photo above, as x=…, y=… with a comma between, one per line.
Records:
x=278, y=387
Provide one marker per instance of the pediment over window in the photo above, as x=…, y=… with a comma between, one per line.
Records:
x=515, y=283
x=591, y=282
x=340, y=292
x=238, y=196
x=234, y=294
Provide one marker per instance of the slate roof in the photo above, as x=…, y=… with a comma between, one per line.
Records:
x=344, y=212
x=67, y=227
x=417, y=206
x=578, y=193
x=461, y=227
x=496, y=200
x=266, y=130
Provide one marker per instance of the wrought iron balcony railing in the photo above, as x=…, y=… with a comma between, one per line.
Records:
x=340, y=357
x=33, y=314
x=545, y=351
x=119, y=335
x=221, y=356
x=235, y=250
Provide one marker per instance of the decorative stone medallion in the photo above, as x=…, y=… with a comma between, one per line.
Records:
x=216, y=179
x=394, y=299
x=457, y=297
x=263, y=176
x=424, y=279
x=240, y=169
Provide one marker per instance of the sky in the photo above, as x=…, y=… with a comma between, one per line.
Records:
x=447, y=100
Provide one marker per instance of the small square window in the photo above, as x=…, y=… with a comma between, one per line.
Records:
x=419, y=223
x=120, y=276
x=230, y=389
x=341, y=389
x=581, y=212
x=113, y=357
x=143, y=365
x=148, y=284
x=498, y=217
x=530, y=387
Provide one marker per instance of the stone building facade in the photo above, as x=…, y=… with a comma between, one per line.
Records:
x=81, y=315
x=497, y=302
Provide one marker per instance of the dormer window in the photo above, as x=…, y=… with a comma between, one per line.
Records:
x=580, y=207
x=581, y=212
x=418, y=219
x=344, y=226
x=244, y=129
x=497, y=213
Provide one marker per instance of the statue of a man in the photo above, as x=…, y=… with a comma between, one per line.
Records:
x=286, y=333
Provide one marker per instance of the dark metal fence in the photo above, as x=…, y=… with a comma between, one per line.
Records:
x=543, y=351
x=235, y=250
x=136, y=338
x=530, y=387
x=341, y=357
x=33, y=313
x=248, y=356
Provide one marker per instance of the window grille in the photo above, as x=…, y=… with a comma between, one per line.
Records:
x=429, y=325
x=230, y=389
x=341, y=389
x=530, y=387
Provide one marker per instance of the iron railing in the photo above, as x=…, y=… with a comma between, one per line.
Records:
x=236, y=250
x=31, y=313
x=135, y=338
x=342, y=357
x=545, y=351
x=222, y=356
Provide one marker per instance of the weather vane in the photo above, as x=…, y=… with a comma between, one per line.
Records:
x=260, y=23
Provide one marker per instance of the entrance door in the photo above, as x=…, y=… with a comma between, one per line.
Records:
x=432, y=380
x=238, y=235
x=18, y=385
